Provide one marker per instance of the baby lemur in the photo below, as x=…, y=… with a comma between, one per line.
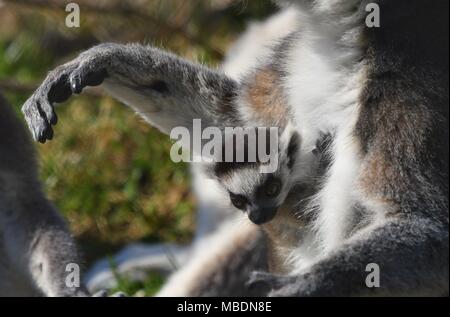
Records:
x=279, y=203
x=381, y=92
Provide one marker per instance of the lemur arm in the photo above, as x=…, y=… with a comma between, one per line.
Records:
x=412, y=255
x=165, y=89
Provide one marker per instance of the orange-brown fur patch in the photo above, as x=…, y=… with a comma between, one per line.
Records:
x=265, y=97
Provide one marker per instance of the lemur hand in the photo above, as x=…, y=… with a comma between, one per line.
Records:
x=88, y=69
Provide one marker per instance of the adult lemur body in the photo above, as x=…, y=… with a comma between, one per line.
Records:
x=381, y=92
x=35, y=245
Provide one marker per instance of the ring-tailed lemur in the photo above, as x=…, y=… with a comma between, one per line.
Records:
x=35, y=245
x=383, y=94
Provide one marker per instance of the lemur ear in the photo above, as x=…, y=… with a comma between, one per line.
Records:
x=292, y=148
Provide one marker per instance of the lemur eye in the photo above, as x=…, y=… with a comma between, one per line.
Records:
x=238, y=201
x=272, y=188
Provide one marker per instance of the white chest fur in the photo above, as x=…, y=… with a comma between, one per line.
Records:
x=324, y=82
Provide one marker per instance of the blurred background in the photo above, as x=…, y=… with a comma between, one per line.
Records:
x=108, y=172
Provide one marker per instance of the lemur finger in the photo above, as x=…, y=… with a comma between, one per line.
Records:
x=86, y=76
x=38, y=109
x=48, y=111
x=36, y=120
x=44, y=109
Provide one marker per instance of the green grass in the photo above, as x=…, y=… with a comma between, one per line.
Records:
x=107, y=171
x=111, y=175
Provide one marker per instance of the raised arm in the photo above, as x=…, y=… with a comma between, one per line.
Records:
x=166, y=90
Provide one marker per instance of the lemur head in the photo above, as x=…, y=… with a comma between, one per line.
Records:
x=258, y=194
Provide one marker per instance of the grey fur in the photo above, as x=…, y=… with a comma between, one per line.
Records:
x=175, y=91
x=403, y=123
x=411, y=248
x=412, y=263
x=35, y=245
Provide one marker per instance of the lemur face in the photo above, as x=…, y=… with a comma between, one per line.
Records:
x=258, y=194
x=261, y=202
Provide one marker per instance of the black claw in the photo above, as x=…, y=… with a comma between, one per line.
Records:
x=47, y=112
x=49, y=134
x=41, y=136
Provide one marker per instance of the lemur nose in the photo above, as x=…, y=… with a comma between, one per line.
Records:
x=262, y=215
